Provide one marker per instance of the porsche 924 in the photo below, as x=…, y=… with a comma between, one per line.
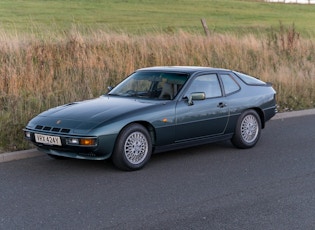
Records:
x=157, y=109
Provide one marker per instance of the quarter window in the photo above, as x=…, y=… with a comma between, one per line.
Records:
x=230, y=86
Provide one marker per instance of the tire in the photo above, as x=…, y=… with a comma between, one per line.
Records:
x=133, y=148
x=247, y=130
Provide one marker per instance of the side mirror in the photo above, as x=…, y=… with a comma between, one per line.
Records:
x=109, y=88
x=196, y=96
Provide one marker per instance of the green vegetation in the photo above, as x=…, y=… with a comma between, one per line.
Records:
x=55, y=52
x=44, y=17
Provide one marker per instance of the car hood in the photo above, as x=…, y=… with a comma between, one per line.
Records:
x=87, y=114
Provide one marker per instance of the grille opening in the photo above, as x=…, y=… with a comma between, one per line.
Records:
x=52, y=129
x=88, y=154
x=65, y=130
x=55, y=129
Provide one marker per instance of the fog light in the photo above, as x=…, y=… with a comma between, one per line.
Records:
x=27, y=134
x=87, y=141
x=73, y=141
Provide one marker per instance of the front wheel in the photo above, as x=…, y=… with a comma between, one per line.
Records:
x=133, y=148
x=247, y=130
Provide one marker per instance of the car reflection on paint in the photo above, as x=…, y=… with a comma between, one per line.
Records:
x=157, y=109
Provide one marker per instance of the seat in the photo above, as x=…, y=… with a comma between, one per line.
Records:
x=167, y=92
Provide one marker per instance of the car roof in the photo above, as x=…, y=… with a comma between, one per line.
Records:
x=186, y=69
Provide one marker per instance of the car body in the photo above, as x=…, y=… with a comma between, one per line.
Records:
x=157, y=109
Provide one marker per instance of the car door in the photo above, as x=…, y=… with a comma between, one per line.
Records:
x=202, y=118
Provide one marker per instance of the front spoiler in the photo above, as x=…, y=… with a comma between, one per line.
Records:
x=83, y=156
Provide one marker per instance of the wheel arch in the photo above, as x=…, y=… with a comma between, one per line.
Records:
x=261, y=116
x=150, y=128
x=145, y=124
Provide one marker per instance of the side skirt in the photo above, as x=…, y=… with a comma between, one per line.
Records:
x=191, y=143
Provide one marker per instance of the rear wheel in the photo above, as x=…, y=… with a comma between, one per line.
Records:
x=248, y=130
x=133, y=148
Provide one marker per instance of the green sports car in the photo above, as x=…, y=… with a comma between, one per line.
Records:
x=157, y=109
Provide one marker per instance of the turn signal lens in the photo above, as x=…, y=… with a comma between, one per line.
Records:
x=87, y=142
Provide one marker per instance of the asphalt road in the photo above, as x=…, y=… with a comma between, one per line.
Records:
x=216, y=186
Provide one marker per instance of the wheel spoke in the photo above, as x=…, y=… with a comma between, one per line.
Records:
x=136, y=147
x=249, y=128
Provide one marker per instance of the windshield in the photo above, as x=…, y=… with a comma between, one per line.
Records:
x=154, y=85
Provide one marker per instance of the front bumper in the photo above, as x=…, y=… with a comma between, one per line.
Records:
x=71, y=154
x=100, y=150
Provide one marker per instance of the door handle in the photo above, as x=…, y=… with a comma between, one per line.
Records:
x=221, y=105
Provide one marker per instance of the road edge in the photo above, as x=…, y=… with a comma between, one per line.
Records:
x=18, y=155
x=298, y=113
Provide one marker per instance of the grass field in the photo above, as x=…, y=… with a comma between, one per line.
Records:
x=56, y=52
x=42, y=17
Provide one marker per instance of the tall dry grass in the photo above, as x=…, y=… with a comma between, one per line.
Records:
x=39, y=74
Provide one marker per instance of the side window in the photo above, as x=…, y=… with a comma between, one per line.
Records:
x=209, y=84
x=230, y=86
